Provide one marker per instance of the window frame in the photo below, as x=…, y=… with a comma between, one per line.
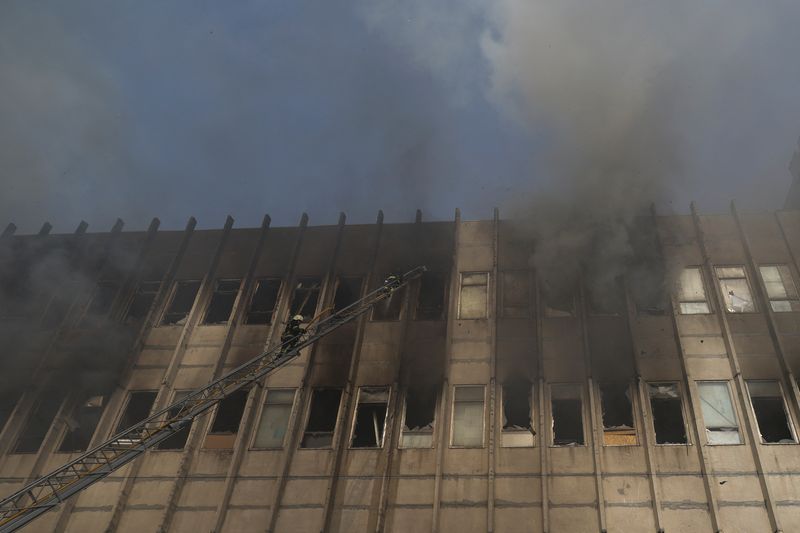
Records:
x=253, y=290
x=65, y=429
x=736, y=413
x=351, y=433
x=171, y=296
x=487, y=307
x=452, y=417
x=172, y=399
x=787, y=299
x=786, y=411
x=531, y=293
x=684, y=414
x=126, y=318
x=260, y=411
x=748, y=283
x=437, y=399
x=445, y=300
x=307, y=416
x=552, y=433
x=533, y=420
x=121, y=412
x=237, y=295
x=706, y=300
x=634, y=409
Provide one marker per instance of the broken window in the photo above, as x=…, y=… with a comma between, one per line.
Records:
x=229, y=413
x=431, y=301
x=348, y=291
x=617, y=410
x=274, y=418
x=137, y=409
x=322, y=418
x=606, y=299
x=177, y=440
x=558, y=303
x=103, y=297
x=221, y=304
x=142, y=301
x=665, y=404
x=718, y=414
x=306, y=294
x=38, y=423
x=567, y=407
x=420, y=411
x=770, y=411
x=467, y=428
x=389, y=308
x=181, y=304
x=517, y=420
x=781, y=290
x=692, y=292
x=473, y=302
x=370, y=419
x=81, y=424
x=735, y=290
x=262, y=305
x=516, y=294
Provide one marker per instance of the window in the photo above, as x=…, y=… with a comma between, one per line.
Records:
x=431, y=301
x=38, y=423
x=390, y=308
x=781, y=290
x=221, y=304
x=467, y=428
x=177, y=440
x=735, y=290
x=348, y=292
x=181, y=304
x=473, y=302
x=370, y=422
x=516, y=294
x=567, y=407
x=665, y=405
x=692, y=292
x=142, y=301
x=617, y=411
x=718, y=413
x=229, y=413
x=517, y=420
x=420, y=412
x=81, y=424
x=274, y=418
x=770, y=411
x=306, y=294
x=8, y=400
x=606, y=299
x=137, y=409
x=103, y=297
x=262, y=305
x=322, y=418
x=558, y=304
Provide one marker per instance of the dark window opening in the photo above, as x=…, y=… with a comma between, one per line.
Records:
x=229, y=413
x=322, y=418
x=773, y=424
x=138, y=408
x=516, y=295
x=431, y=301
x=370, y=417
x=177, y=440
x=389, y=308
x=517, y=407
x=665, y=403
x=348, y=291
x=567, y=416
x=618, y=426
x=262, y=306
x=38, y=423
x=558, y=302
x=103, y=297
x=306, y=294
x=419, y=416
x=221, y=304
x=606, y=299
x=142, y=301
x=7, y=403
x=181, y=304
x=82, y=423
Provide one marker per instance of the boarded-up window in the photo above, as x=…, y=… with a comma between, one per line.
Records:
x=177, y=440
x=468, y=407
x=221, y=304
x=431, y=301
x=262, y=305
x=735, y=290
x=770, y=411
x=665, y=404
x=38, y=423
x=81, y=424
x=304, y=299
x=181, y=304
x=517, y=415
x=137, y=409
x=322, y=418
x=142, y=301
x=719, y=416
x=348, y=291
x=567, y=410
x=229, y=413
x=370, y=420
x=473, y=302
x=516, y=294
x=274, y=418
x=692, y=292
x=617, y=410
x=781, y=289
x=418, y=417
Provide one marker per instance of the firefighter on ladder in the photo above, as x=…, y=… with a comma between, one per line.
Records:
x=391, y=283
x=292, y=333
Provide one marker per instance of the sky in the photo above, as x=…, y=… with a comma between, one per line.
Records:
x=138, y=109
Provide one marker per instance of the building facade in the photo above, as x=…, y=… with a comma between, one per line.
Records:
x=467, y=402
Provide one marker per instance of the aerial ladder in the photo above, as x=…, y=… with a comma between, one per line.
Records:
x=48, y=491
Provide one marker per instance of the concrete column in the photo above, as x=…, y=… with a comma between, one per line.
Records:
x=544, y=412
x=492, y=321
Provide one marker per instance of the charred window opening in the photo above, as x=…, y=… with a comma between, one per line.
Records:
x=420, y=412
x=176, y=441
x=221, y=304
x=142, y=301
x=517, y=414
x=322, y=418
x=390, y=307
x=770, y=411
x=516, y=294
x=137, y=409
x=665, y=404
x=274, y=418
x=181, y=304
x=468, y=408
x=229, y=413
x=473, y=302
x=38, y=423
x=735, y=289
x=103, y=297
x=82, y=423
x=370, y=419
x=306, y=294
x=722, y=426
x=567, y=408
x=692, y=292
x=559, y=302
x=8, y=401
x=618, y=426
x=262, y=305
x=606, y=299
x=781, y=289
x=348, y=291
x=431, y=301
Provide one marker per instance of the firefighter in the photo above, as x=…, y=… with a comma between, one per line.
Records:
x=392, y=282
x=292, y=333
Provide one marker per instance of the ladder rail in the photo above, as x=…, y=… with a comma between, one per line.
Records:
x=50, y=490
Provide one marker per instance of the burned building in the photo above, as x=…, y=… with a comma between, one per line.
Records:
x=471, y=400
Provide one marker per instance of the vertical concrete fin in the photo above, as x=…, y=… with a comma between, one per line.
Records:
x=342, y=218
x=82, y=227
x=379, y=220
x=304, y=220
x=46, y=227
x=418, y=216
x=118, y=225
x=9, y=231
x=154, y=225
x=266, y=221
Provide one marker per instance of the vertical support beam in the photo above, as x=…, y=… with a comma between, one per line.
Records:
x=10, y=230
x=494, y=282
x=45, y=230
x=544, y=410
x=790, y=377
